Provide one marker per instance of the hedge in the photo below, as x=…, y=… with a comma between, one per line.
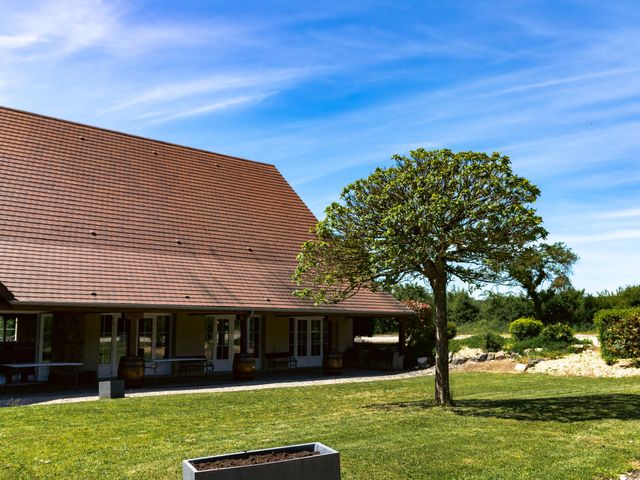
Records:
x=619, y=333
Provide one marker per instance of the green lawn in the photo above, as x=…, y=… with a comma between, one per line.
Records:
x=503, y=427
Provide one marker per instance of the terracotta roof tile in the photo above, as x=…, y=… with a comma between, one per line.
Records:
x=96, y=217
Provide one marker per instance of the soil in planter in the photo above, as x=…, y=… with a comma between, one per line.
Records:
x=253, y=460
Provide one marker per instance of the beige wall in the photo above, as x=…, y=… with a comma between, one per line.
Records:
x=345, y=334
x=189, y=334
x=276, y=334
x=91, y=340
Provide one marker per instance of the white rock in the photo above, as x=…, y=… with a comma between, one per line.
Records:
x=521, y=367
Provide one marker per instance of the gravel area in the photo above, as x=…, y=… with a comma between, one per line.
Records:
x=585, y=364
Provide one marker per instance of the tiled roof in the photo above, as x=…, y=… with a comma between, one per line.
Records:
x=94, y=217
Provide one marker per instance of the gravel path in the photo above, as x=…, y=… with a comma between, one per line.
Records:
x=357, y=376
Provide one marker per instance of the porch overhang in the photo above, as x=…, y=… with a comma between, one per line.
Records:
x=126, y=307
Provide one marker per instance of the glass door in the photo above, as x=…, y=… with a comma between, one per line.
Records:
x=154, y=339
x=307, y=336
x=45, y=330
x=113, y=344
x=254, y=340
x=219, y=331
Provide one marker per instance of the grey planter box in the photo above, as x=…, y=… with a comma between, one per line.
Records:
x=325, y=466
x=111, y=389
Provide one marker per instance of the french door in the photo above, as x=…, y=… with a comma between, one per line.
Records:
x=305, y=341
x=113, y=344
x=220, y=331
x=154, y=341
x=43, y=348
x=254, y=341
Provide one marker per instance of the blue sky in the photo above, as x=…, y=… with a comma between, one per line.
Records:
x=327, y=91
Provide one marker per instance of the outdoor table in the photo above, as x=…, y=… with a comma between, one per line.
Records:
x=37, y=365
x=207, y=365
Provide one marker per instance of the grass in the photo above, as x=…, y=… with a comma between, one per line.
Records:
x=481, y=326
x=502, y=427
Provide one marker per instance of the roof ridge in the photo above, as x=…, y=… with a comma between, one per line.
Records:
x=132, y=135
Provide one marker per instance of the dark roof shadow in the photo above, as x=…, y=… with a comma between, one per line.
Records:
x=582, y=408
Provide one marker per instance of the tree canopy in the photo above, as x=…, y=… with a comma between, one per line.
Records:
x=431, y=215
x=541, y=264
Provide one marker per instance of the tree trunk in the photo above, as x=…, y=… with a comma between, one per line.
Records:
x=537, y=304
x=439, y=286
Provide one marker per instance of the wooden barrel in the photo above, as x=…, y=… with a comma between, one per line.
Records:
x=244, y=366
x=332, y=362
x=131, y=370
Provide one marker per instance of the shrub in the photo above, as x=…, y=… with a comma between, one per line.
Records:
x=524, y=328
x=558, y=332
x=619, y=333
x=488, y=342
x=492, y=342
x=549, y=349
x=452, y=330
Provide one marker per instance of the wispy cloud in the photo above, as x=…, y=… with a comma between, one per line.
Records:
x=256, y=85
x=616, y=214
x=169, y=115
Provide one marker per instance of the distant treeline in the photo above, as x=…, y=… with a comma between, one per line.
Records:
x=494, y=311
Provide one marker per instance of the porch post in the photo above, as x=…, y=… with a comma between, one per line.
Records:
x=244, y=333
x=402, y=334
x=132, y=326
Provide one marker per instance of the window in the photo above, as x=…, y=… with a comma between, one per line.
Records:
x=8, y=329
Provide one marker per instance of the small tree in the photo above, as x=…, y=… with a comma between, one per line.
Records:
x=542, y=264
x=432, y=215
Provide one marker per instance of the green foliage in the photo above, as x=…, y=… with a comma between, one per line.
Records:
x=499, y=310
x=550, y=349
x=558, y=332
x=493, y=342
x=412, y=291
x=488, y=342
x=524, y=328
x=385, y=325
x=541, y=264
x=619, y=333
x=433, y=214
x=452, y=330
x=462, y=307
x=629, y=296
x=566, y=306
x=421, y=338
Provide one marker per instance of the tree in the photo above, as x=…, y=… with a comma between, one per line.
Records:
x=432, y=215
x=541, y=264
x=463, y=308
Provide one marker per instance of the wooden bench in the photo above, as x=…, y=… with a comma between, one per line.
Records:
x=273, y=358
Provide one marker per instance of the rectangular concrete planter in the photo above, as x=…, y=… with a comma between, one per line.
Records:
x=111, y=389
x=325, y=466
